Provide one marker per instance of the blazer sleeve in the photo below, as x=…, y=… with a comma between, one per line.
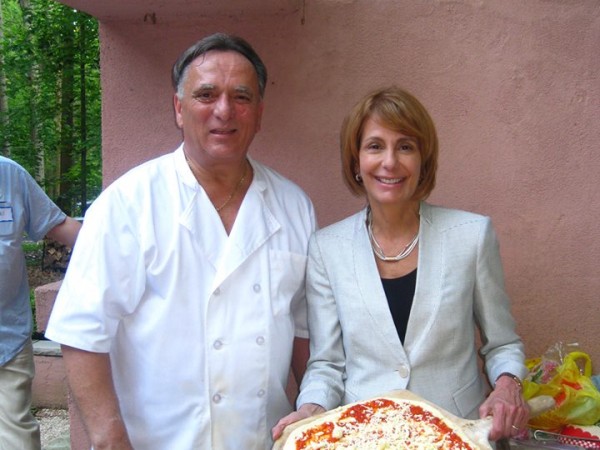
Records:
x=501, y=347
x=323, y=381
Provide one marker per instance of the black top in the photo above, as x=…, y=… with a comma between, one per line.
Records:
x=400, y=293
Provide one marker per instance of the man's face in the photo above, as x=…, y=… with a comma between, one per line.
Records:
x=220, y=110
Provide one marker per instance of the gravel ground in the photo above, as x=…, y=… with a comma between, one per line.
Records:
x=54, y=427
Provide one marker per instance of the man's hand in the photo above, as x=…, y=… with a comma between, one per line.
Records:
x=306, y=410
x=113, y=436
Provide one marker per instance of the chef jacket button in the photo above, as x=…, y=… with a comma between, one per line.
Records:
x=216, y=398
x=403, y=371
x=217, y=291
x=261, y=393
x=260, y=340
x=218, y=344
x=256, y=288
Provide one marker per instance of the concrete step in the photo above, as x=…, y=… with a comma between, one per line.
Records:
x=49, y=388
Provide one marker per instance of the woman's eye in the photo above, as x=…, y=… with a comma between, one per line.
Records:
x=373, y=146
x=407, y=147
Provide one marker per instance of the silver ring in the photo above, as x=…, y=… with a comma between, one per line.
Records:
x=514, y=428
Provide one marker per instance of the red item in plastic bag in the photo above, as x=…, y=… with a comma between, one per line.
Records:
x=581, y=436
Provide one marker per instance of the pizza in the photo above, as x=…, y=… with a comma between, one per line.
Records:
x=388, y=422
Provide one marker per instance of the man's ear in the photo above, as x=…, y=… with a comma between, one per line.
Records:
x=261, y=107
x=177, y=107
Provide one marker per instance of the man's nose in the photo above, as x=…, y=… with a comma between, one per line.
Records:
x=224, y=108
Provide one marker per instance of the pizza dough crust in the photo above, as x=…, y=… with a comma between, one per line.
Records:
x=473, y=432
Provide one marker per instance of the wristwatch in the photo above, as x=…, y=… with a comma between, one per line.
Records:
x=515, y=378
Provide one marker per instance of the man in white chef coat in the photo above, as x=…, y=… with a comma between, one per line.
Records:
x=183, y=305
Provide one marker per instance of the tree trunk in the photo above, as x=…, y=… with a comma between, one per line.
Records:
x=4, y=121
x=83, y=112
x=33, y=76
x=66, y=120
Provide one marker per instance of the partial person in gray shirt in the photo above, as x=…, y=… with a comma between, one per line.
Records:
x=24, y=209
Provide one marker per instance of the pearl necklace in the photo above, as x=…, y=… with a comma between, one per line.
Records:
x=378, y=250
x=235, y=189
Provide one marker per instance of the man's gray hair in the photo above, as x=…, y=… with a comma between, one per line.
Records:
x=219, y=42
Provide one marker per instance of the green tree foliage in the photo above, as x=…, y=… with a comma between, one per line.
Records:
x=49, y=59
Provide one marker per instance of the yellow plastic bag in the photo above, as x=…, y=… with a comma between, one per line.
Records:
x=569, y=383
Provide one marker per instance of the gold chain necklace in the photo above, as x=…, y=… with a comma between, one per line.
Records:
x=233, y=192
x=235, y=189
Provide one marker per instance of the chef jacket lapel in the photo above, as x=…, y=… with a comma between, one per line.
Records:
x=254, y=225
x=371, y=289
x=198, y=214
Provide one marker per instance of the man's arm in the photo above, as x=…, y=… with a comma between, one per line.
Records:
x=300, y=356
x=90, y=380
x=66, y=232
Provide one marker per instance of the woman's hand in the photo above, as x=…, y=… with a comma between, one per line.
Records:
x=306, y=410
x=508, y=409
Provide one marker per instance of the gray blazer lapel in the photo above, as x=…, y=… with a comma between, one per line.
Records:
x=371, y=293
x=428, y=289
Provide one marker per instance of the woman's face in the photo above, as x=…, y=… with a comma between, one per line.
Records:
x=389, y=164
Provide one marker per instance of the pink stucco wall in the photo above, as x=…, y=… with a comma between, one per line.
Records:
x=513, y=86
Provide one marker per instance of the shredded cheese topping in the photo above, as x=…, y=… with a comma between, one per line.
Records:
x=380, y=424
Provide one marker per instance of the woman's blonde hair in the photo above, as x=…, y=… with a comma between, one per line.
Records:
x=400, y=111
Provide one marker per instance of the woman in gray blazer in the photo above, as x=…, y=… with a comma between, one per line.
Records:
x=398, y=292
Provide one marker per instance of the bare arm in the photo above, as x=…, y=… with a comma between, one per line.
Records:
x=300, y=355
x=90, y=379
x=66, y=232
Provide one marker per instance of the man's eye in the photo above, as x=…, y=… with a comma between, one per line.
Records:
x=203, y=96
x=243, y=98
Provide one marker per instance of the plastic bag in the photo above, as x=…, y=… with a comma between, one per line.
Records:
x=563, y=373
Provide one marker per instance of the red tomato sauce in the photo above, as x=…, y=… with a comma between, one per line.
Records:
x=362, y=413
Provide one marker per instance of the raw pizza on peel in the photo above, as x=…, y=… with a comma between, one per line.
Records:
x=397, y=420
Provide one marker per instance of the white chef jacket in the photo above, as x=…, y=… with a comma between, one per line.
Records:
x=199, y=325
